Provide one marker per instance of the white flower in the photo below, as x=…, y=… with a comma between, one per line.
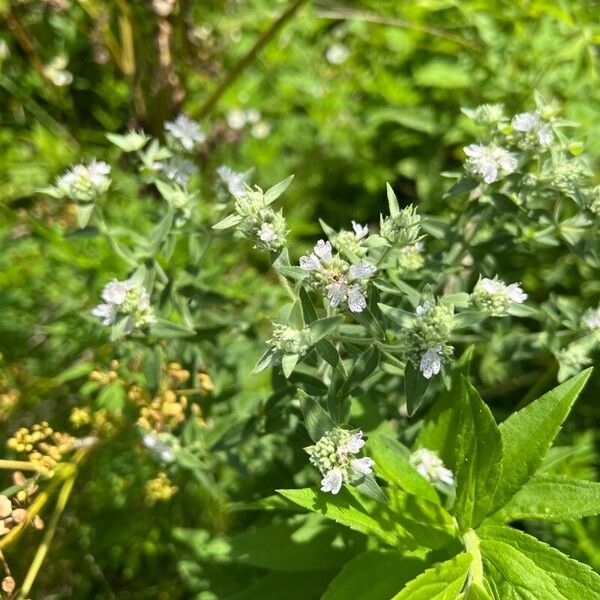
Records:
x=527, y=121
x=150, y=441
x=336, y=293
x=324, y=251
x=233, y=180
x=106, y=312
x=98, y=171
x=364, y=466
x=260, y=130
x=332, y=482
x=431, y=362
x=490, y=162
x=545, y=135
x=492, y=286
x=592, y=318
x=515, y=293
x=355, y=442
x=253, y=115
x=423, y=309
x=178, y=169
x=310, y=263
x=115, y=292
x=356, y=299
x=337, y=54
x=266, y=233
x=429, y=465
x=186, y=131
x=236, y=118
x=360, y=231
x=362, y=270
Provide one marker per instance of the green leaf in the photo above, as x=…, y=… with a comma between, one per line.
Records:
x=415, y=386
x=392, y=200
x=556, y=498
x=308, y=310
x=528, y=434
x=342, y=508
x=228, y=221
x=161, y=231
x=83, y=213
x=297, y=586
x=316, y=420
x=330, y=354
x=168, y=330
x=288, y=362
x=442, y=582
x=364, y=366
x=478, y=459
x=373, y=575
x=392, y=460
x=323, y=327
x=367, y=486
x=273, y=193
x=112, y=397
x=520, y=567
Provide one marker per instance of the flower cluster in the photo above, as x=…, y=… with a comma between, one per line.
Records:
x=166, y=410
x=411, y=258
x=234, y=181
x=12, y=512
x=288, y=340
x=333, y=456
x=352, y=241
x=160, y=489
x=426, y=339
x=337, y=279
x=530, y=131
x=84, y=183
x=184, y=133
x=490, y=162
x=430, y=465
x=126, y=301
x=44, y=446
x=401, y=228
x=495, y=297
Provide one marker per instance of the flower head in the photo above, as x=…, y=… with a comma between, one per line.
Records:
x=84, y=182
x=491, y=162
x=431, y=362
x=233, y=180
x=429, y=465
x=185, y=132
x=495, y=297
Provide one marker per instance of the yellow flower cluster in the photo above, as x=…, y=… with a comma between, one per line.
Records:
x=106, y=377
x=12, y=512
x=166, y=411
x=44, y=446
x=99, y=421
x=160, y=489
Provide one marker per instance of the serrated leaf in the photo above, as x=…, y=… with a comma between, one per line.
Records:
x=442, y=582
x=528, y=434
x=520, y=567
x=556, y=498
x=373, y=575
x=478, y=459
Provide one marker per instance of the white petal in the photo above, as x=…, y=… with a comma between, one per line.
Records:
x=431, y=362
x=526, y=121
x=364, y=466
x=115, y=292
x=309, y=263
x=360, y=231
x=474, y=150
x=106, y=312
x=356, y=299
x=336, y=293
x=332, y=482
x=515, y=293
x=355, y=442
x=362, y=270
x=324, y=251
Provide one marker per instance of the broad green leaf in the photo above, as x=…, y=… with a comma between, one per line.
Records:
x=373, y=575
x=415, y=386
x=442, y=582
x=316, y=420
x=520, y=567
x=368, y=486
x=392, y=460
x=478, y=459
x=343, y=508
x=297, y=586
x=528, y=434
x=330, y=354
x=274, y=192
x=556, y=498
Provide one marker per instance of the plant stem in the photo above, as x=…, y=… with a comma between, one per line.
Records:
x=245, y=60
x=20, y=465
x=472, y=546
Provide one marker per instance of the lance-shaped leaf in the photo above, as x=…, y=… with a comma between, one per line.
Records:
x=274, y=192
x=478, y=459
x=520, y=567
x=308, y=309
x=415, y=386
x=227, y=222
x=442, y=582
x=556, y=498
x=323, y=327
x=528, y=434
x=316, y=420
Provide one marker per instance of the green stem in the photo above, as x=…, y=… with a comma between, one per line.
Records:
x=247, y=59
x=472, y=546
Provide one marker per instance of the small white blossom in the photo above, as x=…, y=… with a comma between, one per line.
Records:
x=490, y=162
x=336, y=293
x=324, y=251
x=364, y=465
x=261, y=130
x=492, y=286
x=515, y=293
x=310, y=263
x=423, y=309
x=337, y=54
x=362, y=270
x=357, y=301
x=429, y=465
x=431, y=362
x=115, y=291
x=186, y=131
x=591, y=319
x=355, y=442
x=106, y=312
x=360, y=231
x=266, y=233
x=233, y=180
x=332, y=482
x=236, y=118
x=527, y=121
x=545, y=135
